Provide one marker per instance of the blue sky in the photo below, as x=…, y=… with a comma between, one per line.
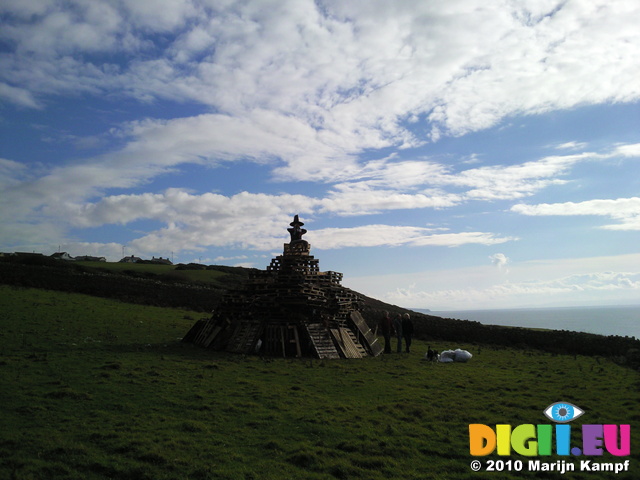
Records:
x=444, y=155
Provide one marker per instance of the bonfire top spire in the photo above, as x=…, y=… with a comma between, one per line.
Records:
x=296, y=232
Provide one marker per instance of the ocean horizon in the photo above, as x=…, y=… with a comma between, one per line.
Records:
x=622, y=320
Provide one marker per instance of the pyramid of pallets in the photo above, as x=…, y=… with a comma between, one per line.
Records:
x=291, y=309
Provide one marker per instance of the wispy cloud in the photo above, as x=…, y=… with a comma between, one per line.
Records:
x=578, y=287
x=571, y=146
x=348, y=71
x=529, y=283
x=366, y=189
x=625, y=210
x=387, y=235
x=18, y=96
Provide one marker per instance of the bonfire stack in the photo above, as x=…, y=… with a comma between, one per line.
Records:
x=291, y=309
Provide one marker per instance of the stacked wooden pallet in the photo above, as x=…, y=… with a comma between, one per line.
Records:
x=289, y=309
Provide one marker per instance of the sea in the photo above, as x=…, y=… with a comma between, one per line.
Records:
x=611, y=320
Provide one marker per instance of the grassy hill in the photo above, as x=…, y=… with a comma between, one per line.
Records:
x=189, y=286
x=94, y=388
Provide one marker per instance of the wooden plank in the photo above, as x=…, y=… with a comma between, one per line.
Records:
x=211, y=337
x=348, y=333
x=297, y=339
x=204, y=332
x=194, y=331
x=346, y=343
x=370, y=340
x=272, y=340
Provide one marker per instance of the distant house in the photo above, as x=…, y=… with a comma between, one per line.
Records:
x=88, y=258
x=161, y=261
x=130, y=259
x=62, y=256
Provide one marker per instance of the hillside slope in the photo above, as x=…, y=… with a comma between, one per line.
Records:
x=95, y=388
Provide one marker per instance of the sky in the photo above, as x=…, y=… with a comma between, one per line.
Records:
x=450, y=155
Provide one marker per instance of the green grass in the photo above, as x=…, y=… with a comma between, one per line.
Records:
x=134, y=267
x=168, y=272
x=95, y=389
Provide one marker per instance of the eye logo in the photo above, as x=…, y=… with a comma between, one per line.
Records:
x=563, y=412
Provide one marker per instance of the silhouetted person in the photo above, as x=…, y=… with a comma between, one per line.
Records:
x=407, y=331
x=397, y=325
x=386, y=325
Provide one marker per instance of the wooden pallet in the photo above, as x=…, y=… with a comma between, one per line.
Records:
x=321, y=341
x=212, y=336
x=207, y=333
x=194, y=331
x=368, y=338
x=244, y=337
x=347, y=343
x=282, y=339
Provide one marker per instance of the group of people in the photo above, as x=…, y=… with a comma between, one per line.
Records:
x=400, y=326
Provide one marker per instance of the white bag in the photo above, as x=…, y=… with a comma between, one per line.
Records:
x=456, y=355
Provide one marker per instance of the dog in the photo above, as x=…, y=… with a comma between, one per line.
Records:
x=432, y=355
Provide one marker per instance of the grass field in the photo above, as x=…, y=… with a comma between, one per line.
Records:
x=94, y=389
x=214, y=277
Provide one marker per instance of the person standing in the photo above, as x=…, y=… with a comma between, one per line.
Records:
x=397, y=325
x=386, y=325
x=407, y=331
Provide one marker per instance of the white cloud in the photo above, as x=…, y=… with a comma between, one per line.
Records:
x=576, y=281
x=624, y=286
x=630, y=150
x=571, y=146
x=226, y=259
x=376, y=186
x=353, y=72
x=11, y=172
x=19, y=96
x=564, y=48
x=516, y=181
x=198, y=221
x=500, y=260
x=383, y=185
x=625, y=210
x=360, y=198
x=392, y=185
x=388, y=235
x=193, y=222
